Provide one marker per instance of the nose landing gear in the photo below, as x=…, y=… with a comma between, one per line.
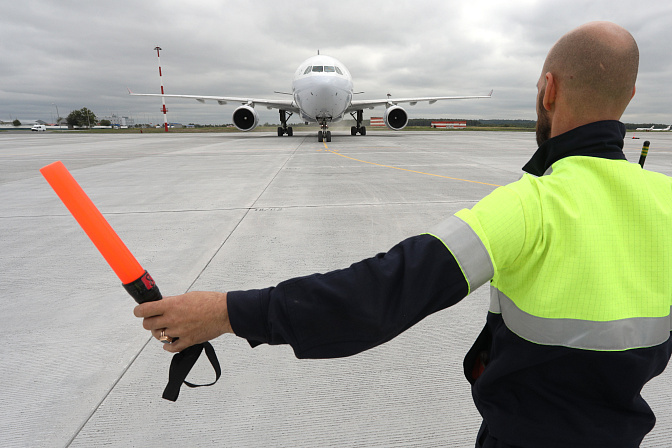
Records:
x=324, y=135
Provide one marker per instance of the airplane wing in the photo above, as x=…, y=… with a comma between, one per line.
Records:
x=370, y=104
x=287, y=105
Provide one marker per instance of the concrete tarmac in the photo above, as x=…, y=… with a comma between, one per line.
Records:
x=238, y=211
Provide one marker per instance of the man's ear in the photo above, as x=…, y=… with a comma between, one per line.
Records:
x=633, y=92
x=550, y=92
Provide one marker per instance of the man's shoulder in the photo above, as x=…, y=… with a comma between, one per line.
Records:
x=525, y=188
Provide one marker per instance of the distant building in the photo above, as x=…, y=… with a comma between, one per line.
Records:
x=118, y=121
x=449, y=124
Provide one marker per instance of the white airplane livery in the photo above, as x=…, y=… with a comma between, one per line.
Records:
x=322, y=93
x=653, y=129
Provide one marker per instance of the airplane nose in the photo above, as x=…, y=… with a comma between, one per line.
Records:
x=322, y=98
x=330, y=101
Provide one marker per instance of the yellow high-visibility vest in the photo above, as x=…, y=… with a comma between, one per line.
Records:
x=580, y=258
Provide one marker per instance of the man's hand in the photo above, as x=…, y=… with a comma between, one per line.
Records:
x=194, y=317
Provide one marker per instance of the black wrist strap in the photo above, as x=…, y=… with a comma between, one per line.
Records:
x=143, y=290
x=182, y=364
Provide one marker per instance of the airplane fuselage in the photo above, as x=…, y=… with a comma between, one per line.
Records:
x=322, y=89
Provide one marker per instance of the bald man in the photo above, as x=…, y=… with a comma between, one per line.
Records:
x=577, y=255
x=591, y=71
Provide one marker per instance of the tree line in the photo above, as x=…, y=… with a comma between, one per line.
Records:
x=85, y=118
x=82, y=118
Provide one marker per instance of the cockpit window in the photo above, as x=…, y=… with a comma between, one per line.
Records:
x=323, y=69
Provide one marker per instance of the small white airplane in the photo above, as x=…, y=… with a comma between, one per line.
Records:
x=664, y=129
x=322, y=92
x=645, y=129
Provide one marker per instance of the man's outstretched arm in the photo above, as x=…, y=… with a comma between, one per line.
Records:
x=339, y=313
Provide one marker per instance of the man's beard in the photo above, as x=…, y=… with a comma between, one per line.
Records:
x=543, y=128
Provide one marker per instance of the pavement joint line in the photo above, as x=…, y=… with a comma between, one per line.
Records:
x=410, y=171
x=245, y=214
x=218, y=250
x=109, y=391
x=251, y=208
x=102, y=400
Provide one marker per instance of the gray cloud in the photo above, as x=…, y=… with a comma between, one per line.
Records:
x=76, y=54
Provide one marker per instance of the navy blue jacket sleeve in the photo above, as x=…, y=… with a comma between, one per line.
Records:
x=347, y=311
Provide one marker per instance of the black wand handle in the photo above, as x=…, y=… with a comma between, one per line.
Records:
x=143, y=290
x=644, y=153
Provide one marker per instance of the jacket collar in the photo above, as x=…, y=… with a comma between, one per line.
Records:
x=600, y=139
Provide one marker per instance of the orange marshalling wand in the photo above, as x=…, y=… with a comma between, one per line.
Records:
x=135, y=279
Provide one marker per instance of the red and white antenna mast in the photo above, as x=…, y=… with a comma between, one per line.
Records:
x=163, y=99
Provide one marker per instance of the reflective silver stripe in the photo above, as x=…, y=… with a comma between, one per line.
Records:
x=494, y=300
x=622, y=334
x=468, y=250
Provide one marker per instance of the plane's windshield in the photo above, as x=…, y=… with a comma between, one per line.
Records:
x=323, y=69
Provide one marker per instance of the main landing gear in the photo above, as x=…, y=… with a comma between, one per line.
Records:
x=284, y=129
x=359, y=118
x=324, y=135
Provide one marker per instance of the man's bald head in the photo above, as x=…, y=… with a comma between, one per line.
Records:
x=595, y=67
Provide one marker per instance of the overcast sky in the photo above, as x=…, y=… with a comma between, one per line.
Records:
x=73, y=54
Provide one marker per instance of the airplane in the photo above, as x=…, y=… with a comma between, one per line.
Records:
x=645, y=129
x=663, y=130
x=322, y=91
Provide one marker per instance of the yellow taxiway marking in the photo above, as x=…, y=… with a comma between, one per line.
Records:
x=406, y=169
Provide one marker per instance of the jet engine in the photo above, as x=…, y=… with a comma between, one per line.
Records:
x=396, y=118
x=245, y=118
